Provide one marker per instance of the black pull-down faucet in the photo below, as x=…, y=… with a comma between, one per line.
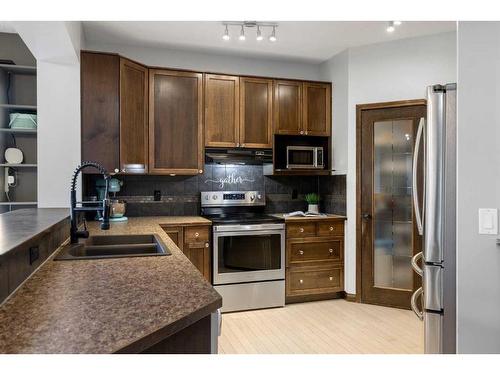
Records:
x=103, y=209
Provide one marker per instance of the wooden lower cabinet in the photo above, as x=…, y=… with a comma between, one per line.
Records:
x=195, y=243
x=314, y=259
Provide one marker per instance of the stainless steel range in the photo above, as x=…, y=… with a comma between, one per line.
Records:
x=248, y=250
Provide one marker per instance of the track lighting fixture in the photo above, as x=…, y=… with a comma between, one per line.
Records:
x=272, y=37
x=226, y=34
x=259, y=34
x=242, y=33
x=250, y=24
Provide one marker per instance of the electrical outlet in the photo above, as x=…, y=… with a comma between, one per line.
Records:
x=11, y=180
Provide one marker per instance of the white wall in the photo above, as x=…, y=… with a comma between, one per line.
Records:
x=397, y=70
x=478, y=186
x=336, y=70
x=211, y=62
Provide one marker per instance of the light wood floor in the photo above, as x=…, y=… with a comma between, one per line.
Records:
x=333, y=326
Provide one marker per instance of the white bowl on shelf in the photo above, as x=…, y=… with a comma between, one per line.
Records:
x=13, y=155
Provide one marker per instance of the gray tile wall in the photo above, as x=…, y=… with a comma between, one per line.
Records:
x=181, y=194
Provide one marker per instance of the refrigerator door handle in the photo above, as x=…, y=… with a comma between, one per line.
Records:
x=413, y=303
x=415, y=265
x=418, y=214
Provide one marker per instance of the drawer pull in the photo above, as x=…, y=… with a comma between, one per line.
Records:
x=207, y=244
x=301, y=252
x=197, y=234
x=301, y=230
x=331, y=251
x=301, y=281
x=331, y=278
x=331, y=229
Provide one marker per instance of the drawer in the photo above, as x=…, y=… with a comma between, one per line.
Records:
x=331, y=228
x=299, y=230
x=315, y=250
x=196, y=234
x=314, y=281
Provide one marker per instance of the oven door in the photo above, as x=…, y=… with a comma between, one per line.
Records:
x=247, y=253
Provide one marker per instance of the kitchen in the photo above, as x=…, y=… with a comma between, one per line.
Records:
x=221, y=187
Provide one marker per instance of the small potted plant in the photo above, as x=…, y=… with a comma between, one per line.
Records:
x=312, y=200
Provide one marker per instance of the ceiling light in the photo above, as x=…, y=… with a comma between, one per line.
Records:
x=226, y=34
x=397, y=23
x=272, y=38
x=242, y=34
x=391, y=27
x=259, y=34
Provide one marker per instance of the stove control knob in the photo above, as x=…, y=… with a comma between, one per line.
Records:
x=252, y=197
x=214, y=197
x=207, y=197
x=259, y=197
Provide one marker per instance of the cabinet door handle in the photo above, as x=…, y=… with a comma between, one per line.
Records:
x=301, y=252
x=197, y=234
x=237, y=145
x=331, y=251
x=331, y=278
x=301, y=132
x=306, y=132
x=200, y=171
x=331, y=229
x=242, y=145
x=301, y=230
x=301, y=281
x=207, y=244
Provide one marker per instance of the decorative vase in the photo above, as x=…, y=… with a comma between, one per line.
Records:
x=313, y=208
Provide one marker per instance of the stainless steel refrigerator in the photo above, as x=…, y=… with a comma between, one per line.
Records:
x=435, y=215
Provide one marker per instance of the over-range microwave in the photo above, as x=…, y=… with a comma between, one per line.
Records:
x=304, y=157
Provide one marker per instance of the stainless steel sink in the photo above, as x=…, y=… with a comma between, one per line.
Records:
x=115, y=246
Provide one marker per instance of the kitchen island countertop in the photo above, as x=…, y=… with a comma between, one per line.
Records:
x=108, y=305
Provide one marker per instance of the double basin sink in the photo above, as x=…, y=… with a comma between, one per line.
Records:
x=115, y=246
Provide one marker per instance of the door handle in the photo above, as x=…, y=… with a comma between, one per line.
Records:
x=414, y=264
x=414, y=191
x=366, y=216
x=413, y=302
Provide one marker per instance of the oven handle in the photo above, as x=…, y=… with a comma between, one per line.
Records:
x=248, y=228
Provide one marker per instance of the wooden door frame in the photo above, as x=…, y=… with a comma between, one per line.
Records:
x=359, y=109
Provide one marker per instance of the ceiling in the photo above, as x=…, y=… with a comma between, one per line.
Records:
x=302, y=41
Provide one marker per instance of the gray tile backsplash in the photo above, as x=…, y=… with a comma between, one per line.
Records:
x=181, y=194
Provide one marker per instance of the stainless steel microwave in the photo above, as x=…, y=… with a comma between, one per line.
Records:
x=304, y=157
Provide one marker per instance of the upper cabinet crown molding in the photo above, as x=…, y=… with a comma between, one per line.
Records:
x=256, y=107
x=175, y=122
x=222, y=110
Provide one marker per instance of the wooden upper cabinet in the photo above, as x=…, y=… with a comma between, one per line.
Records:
x=256, y=112
x=316, y=108
x=175, y=122
x=222, y=110
x=287, y=107
x=100, y=109
x=133, y=114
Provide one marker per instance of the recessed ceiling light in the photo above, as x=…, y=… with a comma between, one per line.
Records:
x=226, y=34
x=242, y=33
x=259, y=34
x=272, y=37
x=390, y=27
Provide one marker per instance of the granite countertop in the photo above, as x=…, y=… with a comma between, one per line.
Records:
x=310, y=218
x=19, y=226
x=108, y=305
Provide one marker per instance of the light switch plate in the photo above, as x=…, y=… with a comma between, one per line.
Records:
x=488, y=221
